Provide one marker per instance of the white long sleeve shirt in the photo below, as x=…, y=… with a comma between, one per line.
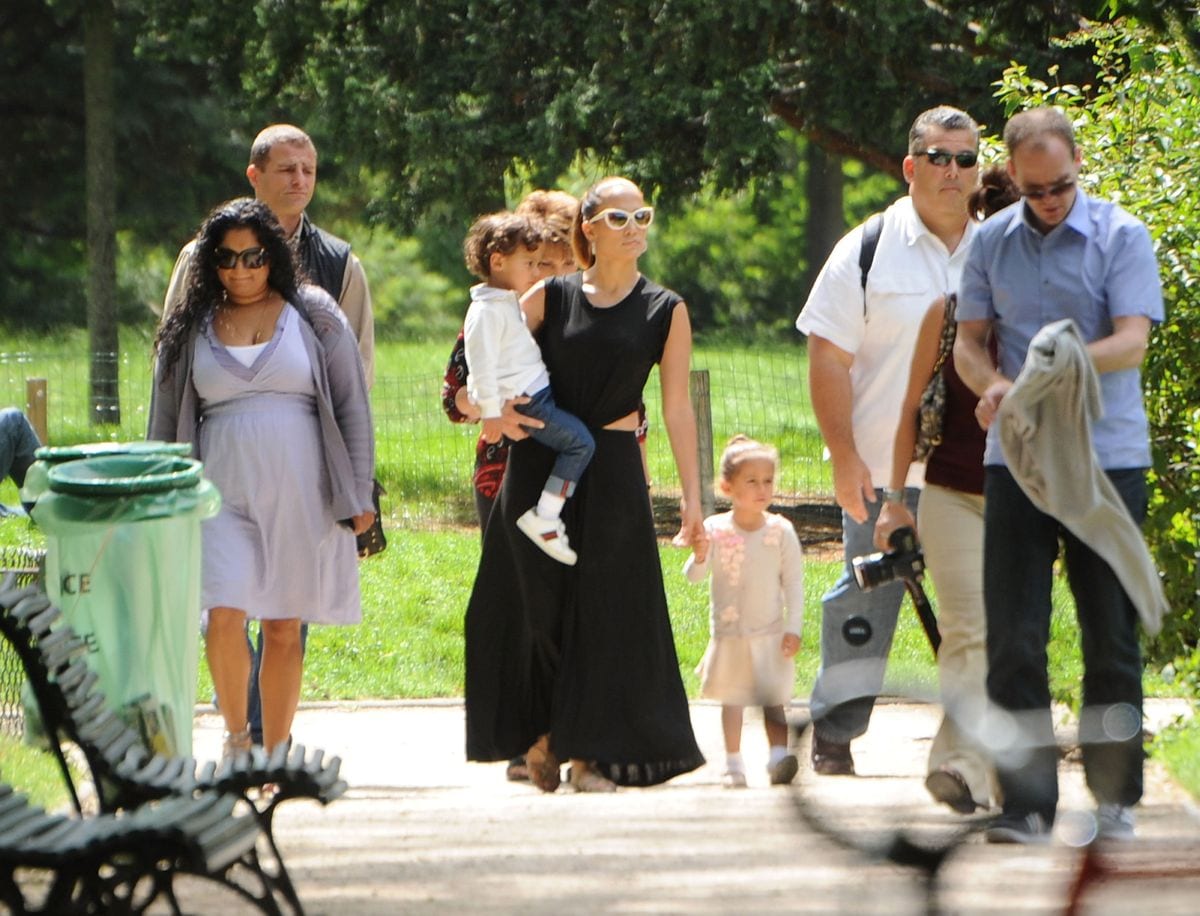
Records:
x=503, y=359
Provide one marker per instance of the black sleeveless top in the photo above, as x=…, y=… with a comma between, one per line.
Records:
x=599, y=358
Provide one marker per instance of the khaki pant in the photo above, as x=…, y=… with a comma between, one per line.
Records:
x=951, y=530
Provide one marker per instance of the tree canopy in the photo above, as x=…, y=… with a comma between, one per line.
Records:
x=429, y=106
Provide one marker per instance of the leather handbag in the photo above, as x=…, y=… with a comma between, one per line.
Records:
x=931, y=412
x=372, y=541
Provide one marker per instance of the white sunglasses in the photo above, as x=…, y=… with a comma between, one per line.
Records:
x=615, y=218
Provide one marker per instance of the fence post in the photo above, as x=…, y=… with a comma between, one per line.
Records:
x=702, y=406
x=35, y=407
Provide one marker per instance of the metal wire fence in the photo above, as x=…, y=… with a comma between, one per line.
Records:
x=25, y=566
x=425, y=462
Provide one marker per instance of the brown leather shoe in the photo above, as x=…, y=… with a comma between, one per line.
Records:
x=947, y=785
x=831, y=758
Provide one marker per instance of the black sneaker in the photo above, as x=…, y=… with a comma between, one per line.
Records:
x=831, y=758
x=784, y=770
x=1026, y=829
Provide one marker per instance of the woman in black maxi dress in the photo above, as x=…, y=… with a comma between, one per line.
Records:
x=585, y=654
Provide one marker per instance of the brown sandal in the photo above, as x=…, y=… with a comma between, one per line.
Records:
x=586, y=779
x=236, y=744
x=543, y=765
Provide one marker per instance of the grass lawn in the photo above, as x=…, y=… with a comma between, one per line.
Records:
x=34, y=772
x=1179, y=749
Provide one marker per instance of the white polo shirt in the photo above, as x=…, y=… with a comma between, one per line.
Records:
x=912, y=267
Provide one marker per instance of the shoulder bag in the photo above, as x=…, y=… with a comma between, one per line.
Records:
x=372, y=541
x=931, y=412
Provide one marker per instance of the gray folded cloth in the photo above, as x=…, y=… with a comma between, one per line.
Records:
x=1045, y=430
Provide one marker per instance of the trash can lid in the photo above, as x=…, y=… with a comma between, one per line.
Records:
x=53, y=454
x=123, y=475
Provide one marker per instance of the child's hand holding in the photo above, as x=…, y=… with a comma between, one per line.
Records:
x=790, y=644
x=697, y=539
x=493, y=429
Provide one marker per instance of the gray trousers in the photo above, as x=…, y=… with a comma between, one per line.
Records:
x=851, y=675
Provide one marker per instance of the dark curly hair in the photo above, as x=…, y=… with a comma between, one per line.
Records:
x=995, y=192
x=204, y=289
x=497, y=233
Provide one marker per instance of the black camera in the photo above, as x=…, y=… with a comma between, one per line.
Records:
x=904, y=561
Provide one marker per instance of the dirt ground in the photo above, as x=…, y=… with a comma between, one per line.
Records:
x=421, y=831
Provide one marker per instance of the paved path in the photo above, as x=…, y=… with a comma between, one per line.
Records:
x=422, y=831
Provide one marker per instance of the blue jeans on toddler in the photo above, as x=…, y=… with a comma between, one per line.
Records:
x=566, y=434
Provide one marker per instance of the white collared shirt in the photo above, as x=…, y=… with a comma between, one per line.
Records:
x=912, y=267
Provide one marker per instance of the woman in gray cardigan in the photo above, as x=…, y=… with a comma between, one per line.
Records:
x=262, y=375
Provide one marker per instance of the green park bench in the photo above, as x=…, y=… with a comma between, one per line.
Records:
x=126, y=775
x=122, y=863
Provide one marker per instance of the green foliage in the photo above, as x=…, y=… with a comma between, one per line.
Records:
x=180, y=149
x=1179, y=749
x=425, y=112
x=410, y=301
x=738, y=257
x=1138, y=124
x=142, y=272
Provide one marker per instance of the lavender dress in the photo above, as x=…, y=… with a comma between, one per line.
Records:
x=274, y=550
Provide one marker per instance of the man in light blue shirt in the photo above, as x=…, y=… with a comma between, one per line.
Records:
x=1060, y=254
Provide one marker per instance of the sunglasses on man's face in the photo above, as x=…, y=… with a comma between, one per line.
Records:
x=251, y=258
x=941, y=157
x=618, y=219
x=1055, y=190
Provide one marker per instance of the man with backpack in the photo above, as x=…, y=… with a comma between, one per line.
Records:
x=862, y=318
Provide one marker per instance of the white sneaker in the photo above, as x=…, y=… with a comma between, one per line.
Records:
x=550, y=534
x=733, y=779
x=1115, y=822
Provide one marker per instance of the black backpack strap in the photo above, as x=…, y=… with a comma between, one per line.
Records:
x=866, y=254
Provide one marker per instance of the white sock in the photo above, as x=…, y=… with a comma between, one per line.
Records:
x=734, y=763
x=550, y=505
x=778, y=752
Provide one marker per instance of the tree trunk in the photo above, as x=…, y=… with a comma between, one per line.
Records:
x=100, y=143
x=826, y=221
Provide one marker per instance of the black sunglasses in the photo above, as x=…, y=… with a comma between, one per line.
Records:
x=1055, y=190
x=251, y=258
x=966, y=159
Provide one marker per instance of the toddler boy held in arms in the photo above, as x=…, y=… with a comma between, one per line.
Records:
x=504, y=362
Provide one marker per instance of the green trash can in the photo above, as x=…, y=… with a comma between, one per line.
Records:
x=37, y=478
x=123, y=564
